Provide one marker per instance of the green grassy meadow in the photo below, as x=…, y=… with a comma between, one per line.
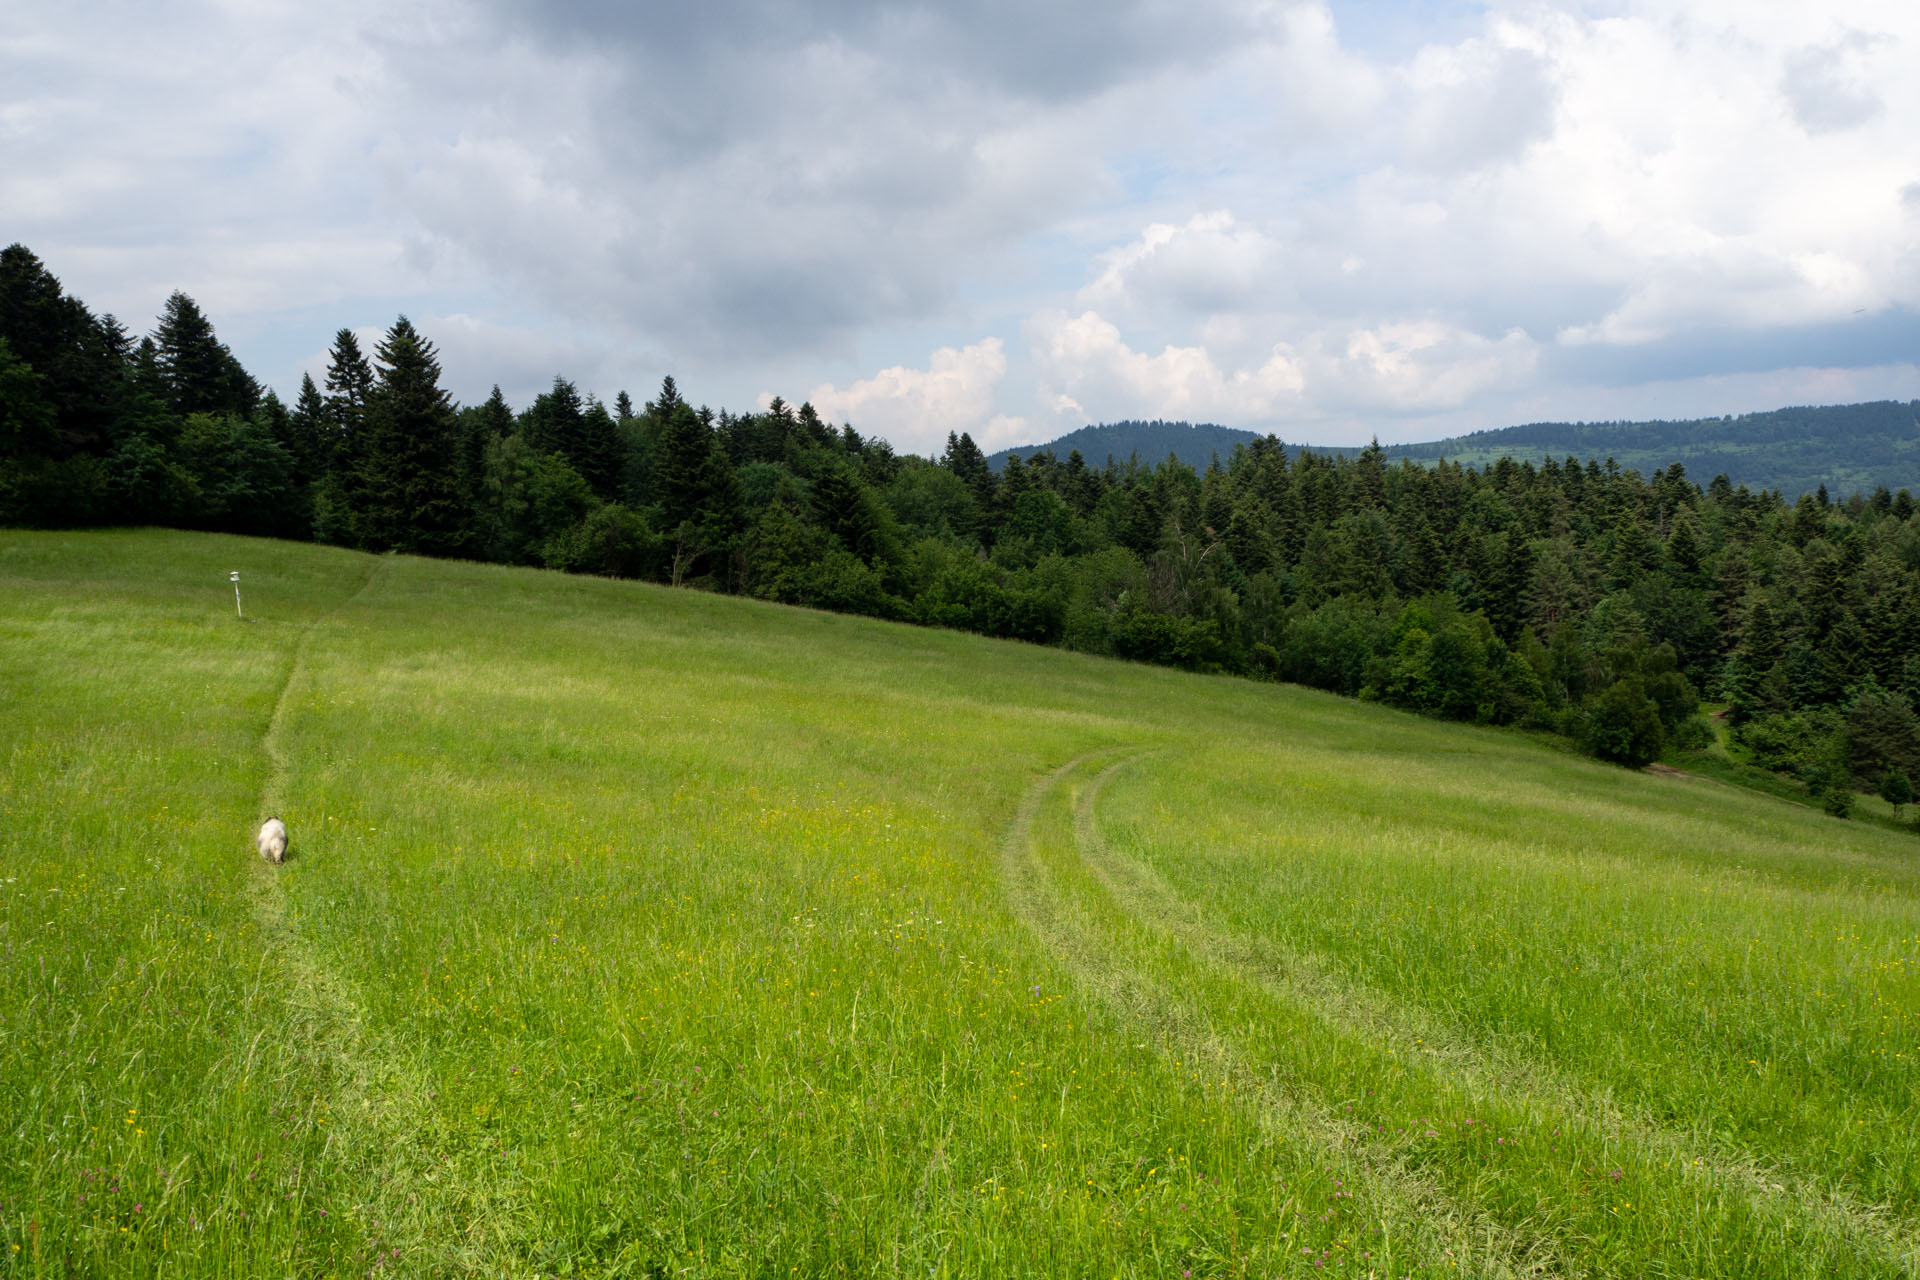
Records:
x=640, y=932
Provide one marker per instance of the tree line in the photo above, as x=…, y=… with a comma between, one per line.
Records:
x=1572, y=596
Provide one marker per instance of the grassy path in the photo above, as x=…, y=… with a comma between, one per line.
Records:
x=408, y=1209
x=416, y=1209
x=376, y=1083
x=159, y=1113
x=1487, y=1070
x=1410, y=1219
x=1480, y=1134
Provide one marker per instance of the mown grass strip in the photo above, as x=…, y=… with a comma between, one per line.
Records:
x=1483, y=1067
x=1411, y=1222
x=1574, y=1192
x=406, y=1209
x=150, y=1124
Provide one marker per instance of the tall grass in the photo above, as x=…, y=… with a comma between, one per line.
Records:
x=641, y=932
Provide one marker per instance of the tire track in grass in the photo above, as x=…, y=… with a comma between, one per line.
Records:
x=1422, y=1221
x=1799, y=1203
x=380, y=1088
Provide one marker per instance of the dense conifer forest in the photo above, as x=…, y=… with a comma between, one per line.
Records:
x=1572, y=596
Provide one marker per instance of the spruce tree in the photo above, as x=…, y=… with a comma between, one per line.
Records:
x=811, y=428
x=1247, y=535
x=27, y=426
x=1634, y=551
x=477, y=427
x=36, y=316
x=481, y=428
x=340, y=497
x=199, y=373
x=1216, y=499
x=1762, y=643
x=273, y=417
x=598, y=453
x=553, y=423
x=349, y=384
x=307, y=432
x=1684, y=551
x=410, y=468
x=580, y=431
x=1370, y=475
x=1080, y=484
x=680, y=462
x=1510, y=579
x=82, y=363
x=494, y=415
x=850, y=511
x=145, y=372
x=1014, y=481
x=668, y=401
x=964, y=459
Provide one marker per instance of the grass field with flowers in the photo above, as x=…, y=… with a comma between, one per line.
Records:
x=639, y=932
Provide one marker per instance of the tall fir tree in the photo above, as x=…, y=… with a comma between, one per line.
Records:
x=964, y=459
x=349, y=384
x=680, y=460
x=1512, y=578
x=1369, y=485
x=81, y=362
x=597, y=452
x=482, y=427
x=410, y=468
x=495, y=415
x=199, y=373
x=340, y=497
x=307, y=432
x=1635, y=552
x=1684, y=549
x=27, y=427
x=668, y=400
x=553, y=421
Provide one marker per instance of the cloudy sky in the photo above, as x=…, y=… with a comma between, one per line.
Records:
x=1324, y=220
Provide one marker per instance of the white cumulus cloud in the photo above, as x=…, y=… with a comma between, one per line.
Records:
x=915, y=409
x=1210, y=264
x=1085, y=362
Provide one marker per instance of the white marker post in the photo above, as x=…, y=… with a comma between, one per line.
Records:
x=234, y=577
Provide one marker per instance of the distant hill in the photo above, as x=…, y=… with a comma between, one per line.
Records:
x=1849, y=448
x=1192, y=443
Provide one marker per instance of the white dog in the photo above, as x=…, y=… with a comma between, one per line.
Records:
x=273, y=840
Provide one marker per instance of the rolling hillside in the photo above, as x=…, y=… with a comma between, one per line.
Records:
x=641, y=932
x=1850, y=448
x=1195, y=445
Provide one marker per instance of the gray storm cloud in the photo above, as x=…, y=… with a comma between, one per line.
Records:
x=750, y=178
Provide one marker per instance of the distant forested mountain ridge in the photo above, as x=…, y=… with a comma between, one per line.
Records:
x=1849, y=448
x=1193, y=443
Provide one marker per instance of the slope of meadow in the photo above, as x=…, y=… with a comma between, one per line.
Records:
x=642, y=933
